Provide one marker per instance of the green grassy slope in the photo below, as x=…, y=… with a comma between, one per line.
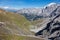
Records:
x=13, y=24
x=12, y=18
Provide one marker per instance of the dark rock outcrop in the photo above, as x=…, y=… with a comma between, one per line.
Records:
x=52, y=29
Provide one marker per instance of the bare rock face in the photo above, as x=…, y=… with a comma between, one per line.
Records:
x=52, y=29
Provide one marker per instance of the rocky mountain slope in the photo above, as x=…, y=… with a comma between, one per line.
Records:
x=43, y=21
x=30, y=13
x=52, y=29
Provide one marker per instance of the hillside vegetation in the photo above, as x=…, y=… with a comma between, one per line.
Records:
x=13, y=26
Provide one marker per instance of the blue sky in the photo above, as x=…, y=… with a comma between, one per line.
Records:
x=25, y=3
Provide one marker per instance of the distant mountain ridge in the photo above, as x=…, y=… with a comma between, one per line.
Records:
x=35, y=13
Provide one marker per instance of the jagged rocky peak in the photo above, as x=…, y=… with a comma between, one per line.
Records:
x=29, y=11
x=48, y=9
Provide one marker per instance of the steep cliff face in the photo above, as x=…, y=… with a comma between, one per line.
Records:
x=52, y=29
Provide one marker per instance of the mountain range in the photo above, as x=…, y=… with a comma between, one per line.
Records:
x=35, y=13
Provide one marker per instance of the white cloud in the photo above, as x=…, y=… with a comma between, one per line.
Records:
x=5, y=7
x=8, y=7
